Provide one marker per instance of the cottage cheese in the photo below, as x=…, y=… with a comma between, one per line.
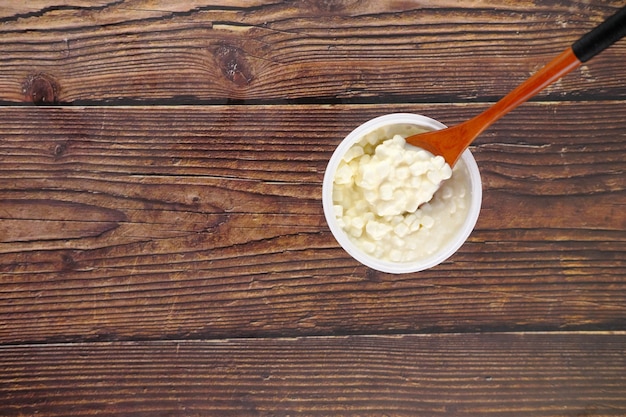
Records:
x=389, y=198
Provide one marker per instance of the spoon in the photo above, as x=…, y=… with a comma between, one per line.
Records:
x=451, y=142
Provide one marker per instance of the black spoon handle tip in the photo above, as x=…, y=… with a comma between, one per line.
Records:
x=600, y=38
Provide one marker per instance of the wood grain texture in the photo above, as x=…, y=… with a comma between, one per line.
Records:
x=163, y=250
x=194, y=222
x=427, y=375
x=214, y=51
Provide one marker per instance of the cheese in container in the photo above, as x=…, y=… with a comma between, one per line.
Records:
x=394, y=207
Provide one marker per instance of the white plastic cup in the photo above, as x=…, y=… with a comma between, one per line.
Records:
x=384, y=265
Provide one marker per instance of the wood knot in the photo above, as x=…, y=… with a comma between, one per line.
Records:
x=234, y=65
x=60, y=149
x=330, y=6
x=41, y=89
x=68, y=263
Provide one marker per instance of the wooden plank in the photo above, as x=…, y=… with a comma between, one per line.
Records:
x=434, y=375
x=131, y=222
x=199, y=51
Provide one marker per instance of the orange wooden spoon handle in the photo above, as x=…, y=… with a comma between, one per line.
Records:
x=450, y=143
x=551, y=72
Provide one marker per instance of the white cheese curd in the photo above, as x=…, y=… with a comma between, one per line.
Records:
x=389, y=198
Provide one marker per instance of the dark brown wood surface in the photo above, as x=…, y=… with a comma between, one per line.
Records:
x=432, y=374
x=163, y=249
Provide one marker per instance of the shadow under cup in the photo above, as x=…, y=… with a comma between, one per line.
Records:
x=397, y=123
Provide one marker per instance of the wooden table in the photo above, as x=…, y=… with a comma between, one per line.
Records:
x=163, y=250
